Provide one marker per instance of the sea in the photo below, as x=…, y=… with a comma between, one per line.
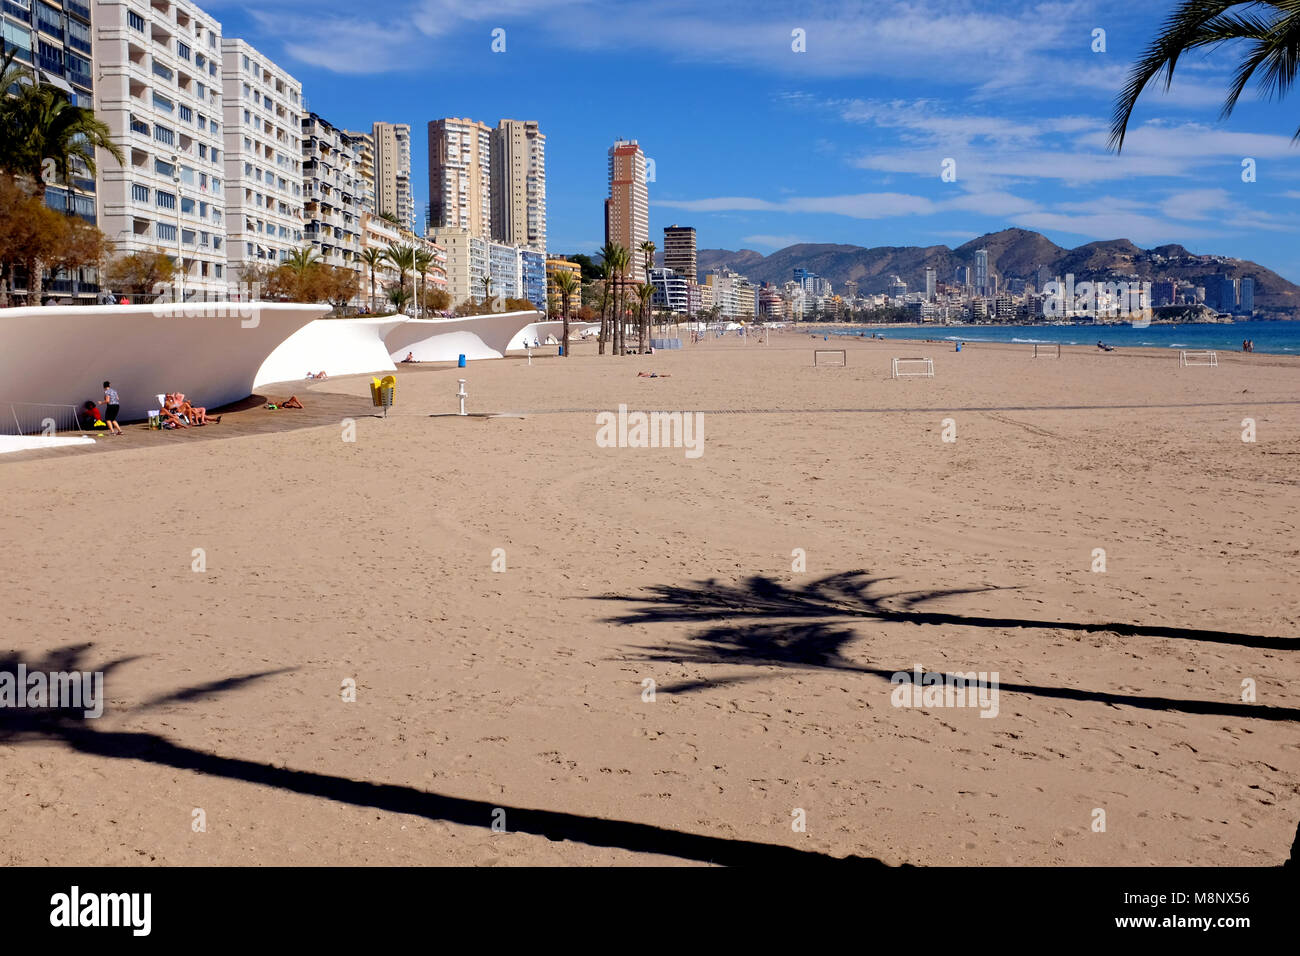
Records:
x=1277, y=338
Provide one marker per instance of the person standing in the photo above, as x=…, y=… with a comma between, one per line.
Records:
x=111, y=405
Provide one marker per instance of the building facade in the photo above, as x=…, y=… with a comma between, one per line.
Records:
x=392, y=143
x=627, y=210
x=262, y=109
x=363, y=148
x=518, y=184
x=331, y=184
x=159, y=92
x=460, y=176
x=680, y=252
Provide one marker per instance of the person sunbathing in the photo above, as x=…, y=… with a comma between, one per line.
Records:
x=653, y=375
x=171, y=413
x=318, y=376
x=197, y=415
x=291, y=402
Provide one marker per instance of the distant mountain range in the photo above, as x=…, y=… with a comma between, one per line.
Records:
x=1013, y=254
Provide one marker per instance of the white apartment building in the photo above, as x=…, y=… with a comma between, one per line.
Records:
x=159, y=90
x=363, y=147
x=467, y=263
x=331, y=186
x=263, y=154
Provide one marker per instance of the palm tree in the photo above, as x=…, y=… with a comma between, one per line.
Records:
x=648, y=257
x=302, y=260
x=1270, y=27
x=487, y=291
x=566, y=284
x=607, y=255
x=403, y=258
x=398, y=296
x=423, y=258
x=373, y=258
x=645, y=292
x=621, y=291
x=39, y=124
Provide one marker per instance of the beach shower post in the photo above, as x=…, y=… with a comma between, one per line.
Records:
x=462, y=395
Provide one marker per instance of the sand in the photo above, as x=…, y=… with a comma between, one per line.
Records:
x=522, y=690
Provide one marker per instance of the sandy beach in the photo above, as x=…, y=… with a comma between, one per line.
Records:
x=522, y=691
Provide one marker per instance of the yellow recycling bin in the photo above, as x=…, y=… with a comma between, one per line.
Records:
x=383, y=392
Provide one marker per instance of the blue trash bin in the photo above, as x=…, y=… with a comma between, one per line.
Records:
x=561, y=349
x=460, y=362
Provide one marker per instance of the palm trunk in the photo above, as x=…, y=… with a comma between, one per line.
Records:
x=604, y=321
x=564, y=343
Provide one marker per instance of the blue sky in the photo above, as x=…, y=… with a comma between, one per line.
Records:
x=759, y=146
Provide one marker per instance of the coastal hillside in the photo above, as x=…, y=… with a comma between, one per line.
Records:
x=1013, y=254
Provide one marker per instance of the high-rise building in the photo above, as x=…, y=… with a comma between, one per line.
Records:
x=1221, y=293
x=262, y=106
x=54, y=40
x=393, y=173
x=159, y=92
x=331, y=187
x=627, y=210
x=518, y=184
x=931, y=284
x=1247, y=306
x=679, y=251
x=962, y=275
x=981, y=272
x=363, y=147
x=1164, y=292
x=670, y=290
x=460, y=176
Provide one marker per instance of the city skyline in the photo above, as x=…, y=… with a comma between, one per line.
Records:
x=841, y=143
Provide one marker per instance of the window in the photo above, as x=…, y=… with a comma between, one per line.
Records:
x=200, y=60
x=165, y=230
x=247, y=91
x=17, y=40
x=203, y=211
x=248, y=117
x=50, y=58
x=161, y=102
x=163, y=169
x=135, y=21
x=49, y=19
x=163, y=134
x=163, y=71
x=187, y=175
x=140, y=193
x=186, y=114
x=203, y=150
x=78, y=68
x=187, y=236
x=246, y=67
x=182, y=50
x=216, y=269
x=79, y=36
x=164, y=200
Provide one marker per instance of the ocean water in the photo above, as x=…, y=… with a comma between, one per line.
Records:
x=1278, y=338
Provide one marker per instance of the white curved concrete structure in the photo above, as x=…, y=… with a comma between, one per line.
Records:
x=335, y=346
x=539, y=331
x=12, y=443
x=211, y=351
x=442, y=340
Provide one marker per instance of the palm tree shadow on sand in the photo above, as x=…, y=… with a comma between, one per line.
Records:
x=763, y=623
x=69, y=728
